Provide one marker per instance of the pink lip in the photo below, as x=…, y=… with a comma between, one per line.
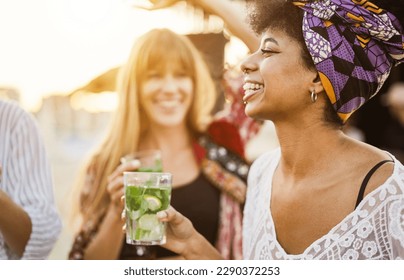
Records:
x=250, y=94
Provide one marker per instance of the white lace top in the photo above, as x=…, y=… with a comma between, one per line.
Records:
x=374, y=230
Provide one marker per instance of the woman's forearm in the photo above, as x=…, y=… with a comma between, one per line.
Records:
x=15, y=224
x=234, y=19
x=107, y=244
x=200, y=249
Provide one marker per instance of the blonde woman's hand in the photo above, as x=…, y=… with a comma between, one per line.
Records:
x=115, y=184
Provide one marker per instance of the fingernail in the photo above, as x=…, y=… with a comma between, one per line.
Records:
x=161, y=214
x=135, y=163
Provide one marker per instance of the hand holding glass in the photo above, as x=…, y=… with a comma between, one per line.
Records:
x=146, y=193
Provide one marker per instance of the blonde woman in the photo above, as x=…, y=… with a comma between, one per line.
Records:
x=166, y=96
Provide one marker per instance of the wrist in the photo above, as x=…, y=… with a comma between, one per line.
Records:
x=209, y=6
x=114, y=212
x=199, y=248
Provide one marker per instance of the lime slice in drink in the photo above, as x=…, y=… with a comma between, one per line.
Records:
x=153, y=203
x=148, y=222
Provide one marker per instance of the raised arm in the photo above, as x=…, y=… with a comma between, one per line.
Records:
x=231, y=13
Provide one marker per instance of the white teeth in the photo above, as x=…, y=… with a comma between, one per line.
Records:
x=169, y=103
x=248, y=92
x=252, y=86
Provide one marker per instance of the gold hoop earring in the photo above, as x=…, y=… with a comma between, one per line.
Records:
x=313, y=96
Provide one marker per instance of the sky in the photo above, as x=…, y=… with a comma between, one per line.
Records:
x=55, y=46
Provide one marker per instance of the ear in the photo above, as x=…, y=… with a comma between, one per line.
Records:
x=316, y=84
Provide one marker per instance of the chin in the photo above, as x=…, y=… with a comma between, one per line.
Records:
x=256, y=113
x=251, y=111
x=170, y=122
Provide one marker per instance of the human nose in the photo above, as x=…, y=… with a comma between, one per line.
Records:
x=169, y=84
x=248, y=64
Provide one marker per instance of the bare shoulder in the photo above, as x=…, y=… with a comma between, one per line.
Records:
x=377, y=163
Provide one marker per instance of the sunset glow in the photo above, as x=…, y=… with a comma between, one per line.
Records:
x=56, y=46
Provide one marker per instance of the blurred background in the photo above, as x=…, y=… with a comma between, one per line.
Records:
x=59, y=59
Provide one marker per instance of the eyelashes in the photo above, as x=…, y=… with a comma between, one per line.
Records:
x=268, y=52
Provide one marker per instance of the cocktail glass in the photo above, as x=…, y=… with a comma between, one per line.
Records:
x=146, y=193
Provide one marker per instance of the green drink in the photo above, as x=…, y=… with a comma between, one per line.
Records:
x=146, y=193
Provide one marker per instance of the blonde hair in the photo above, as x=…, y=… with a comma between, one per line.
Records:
x=158, y=50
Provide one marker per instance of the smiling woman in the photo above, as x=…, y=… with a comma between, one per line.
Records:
x=322, y=195
x=166, y=97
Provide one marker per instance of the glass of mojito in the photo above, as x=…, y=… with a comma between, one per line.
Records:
x=150, y=160
x=146, y=193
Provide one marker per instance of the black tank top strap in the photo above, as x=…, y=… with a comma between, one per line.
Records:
x=366, y=180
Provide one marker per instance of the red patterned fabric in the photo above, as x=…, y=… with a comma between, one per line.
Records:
x=233, y=115
x=227, y=135
x=229, y=242
x=231, y=129
x=232, y=185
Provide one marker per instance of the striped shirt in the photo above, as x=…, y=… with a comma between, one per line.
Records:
x=26, y=178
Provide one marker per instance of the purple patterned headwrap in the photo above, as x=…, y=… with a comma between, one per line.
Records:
x=354, y=44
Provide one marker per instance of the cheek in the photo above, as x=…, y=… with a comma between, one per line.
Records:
x=284, y=77
x=148, y=88
x=145, y=97
x=275, y=83
x=189, y=90
x=275, y=70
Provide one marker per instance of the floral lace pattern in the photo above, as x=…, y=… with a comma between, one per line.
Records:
x=374, y=230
